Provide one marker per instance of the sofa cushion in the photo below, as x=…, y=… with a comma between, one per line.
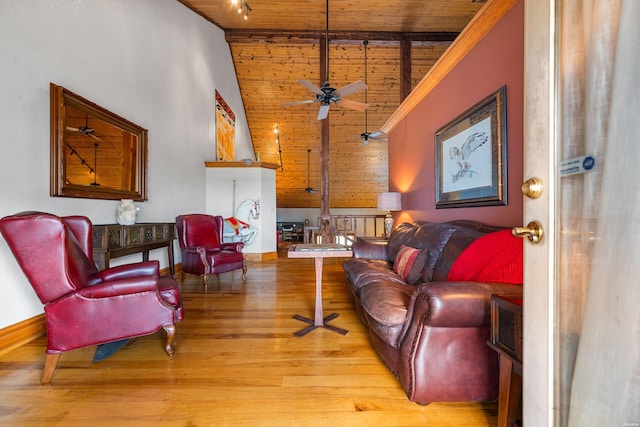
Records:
x=495, y=257
x=434, y=238
x=409, y=264
x=403, y=234
x=385, y=306
x=361, y=272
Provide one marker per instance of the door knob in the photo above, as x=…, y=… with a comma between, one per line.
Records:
x=533, y=231
x=532, y=188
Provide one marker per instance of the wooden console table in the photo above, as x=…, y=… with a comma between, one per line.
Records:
x=506, y=339
x=115, y=240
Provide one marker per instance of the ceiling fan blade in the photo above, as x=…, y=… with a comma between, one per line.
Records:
x=375, y=136
x=352, y=105
x=378, y=135
x=324, y=112
x=309, y=101
x=313, y=88
x=350, y=88
x=93, y=136
x=72, y=129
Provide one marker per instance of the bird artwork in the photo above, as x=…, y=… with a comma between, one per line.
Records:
x=461, y=155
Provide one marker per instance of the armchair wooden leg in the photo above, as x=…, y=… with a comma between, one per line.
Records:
x=171, y=335
x=205, y=281
x=244, y=274
x=50, y=364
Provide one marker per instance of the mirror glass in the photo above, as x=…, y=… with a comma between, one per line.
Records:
x=94, y=152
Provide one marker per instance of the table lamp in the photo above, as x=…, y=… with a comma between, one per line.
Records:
x=391, y=201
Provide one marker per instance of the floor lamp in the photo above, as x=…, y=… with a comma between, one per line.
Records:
x=391, y=201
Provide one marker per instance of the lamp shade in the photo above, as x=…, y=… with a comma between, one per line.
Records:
x=391, y=201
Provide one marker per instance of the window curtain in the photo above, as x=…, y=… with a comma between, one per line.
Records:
x=598, y=290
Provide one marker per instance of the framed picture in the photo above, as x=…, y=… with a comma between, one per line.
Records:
x=471, y=156
x=225, y=130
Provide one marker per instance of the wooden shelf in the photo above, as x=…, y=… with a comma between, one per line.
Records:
x=228, y=164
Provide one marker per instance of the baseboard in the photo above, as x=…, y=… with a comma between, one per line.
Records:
x=265, y=256
x=21, y=333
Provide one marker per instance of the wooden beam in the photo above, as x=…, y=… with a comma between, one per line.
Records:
x=325, y=209
x=405, y=68
x=482, y=23
x=338, y=37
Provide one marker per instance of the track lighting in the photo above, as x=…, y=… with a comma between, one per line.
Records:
x=242, y=7
x=277, y=132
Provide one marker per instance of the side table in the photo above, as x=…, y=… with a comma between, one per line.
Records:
x=319, y=252
x=506, y=339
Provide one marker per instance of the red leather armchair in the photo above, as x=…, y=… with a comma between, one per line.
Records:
x=83, y=306
x=203, y=251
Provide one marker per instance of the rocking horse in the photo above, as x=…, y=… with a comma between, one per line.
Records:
x=237, y=228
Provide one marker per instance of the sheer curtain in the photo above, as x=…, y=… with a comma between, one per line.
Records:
x=598, y=360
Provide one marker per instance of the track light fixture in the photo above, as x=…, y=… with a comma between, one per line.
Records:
x=276, y=130
x=242, y=7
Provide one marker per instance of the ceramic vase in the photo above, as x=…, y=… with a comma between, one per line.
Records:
x=127, y=212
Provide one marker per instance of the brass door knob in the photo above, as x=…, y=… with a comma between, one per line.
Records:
x=532, y=188
x=533, y=231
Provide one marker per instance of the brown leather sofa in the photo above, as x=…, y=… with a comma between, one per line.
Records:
x=433, y=335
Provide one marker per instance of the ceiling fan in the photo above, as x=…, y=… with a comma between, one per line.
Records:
x=84, y=130
x=309, y=189
x=366, y=135
x=326, y=94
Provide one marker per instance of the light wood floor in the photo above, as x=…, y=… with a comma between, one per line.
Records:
x=237, y=363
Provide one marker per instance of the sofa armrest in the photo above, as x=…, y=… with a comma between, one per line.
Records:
x=456, y=304
x=369, y=250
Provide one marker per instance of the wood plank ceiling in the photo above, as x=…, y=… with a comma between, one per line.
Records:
x=282, y=42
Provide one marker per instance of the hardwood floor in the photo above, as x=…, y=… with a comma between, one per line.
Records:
x=237, y=363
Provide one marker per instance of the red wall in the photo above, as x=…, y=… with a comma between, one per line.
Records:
x=496, y=61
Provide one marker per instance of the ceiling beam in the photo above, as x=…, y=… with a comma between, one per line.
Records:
x=405, y=69
x=336, y=37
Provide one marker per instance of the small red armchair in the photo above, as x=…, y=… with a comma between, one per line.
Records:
x=83, y=306
x=203, y=251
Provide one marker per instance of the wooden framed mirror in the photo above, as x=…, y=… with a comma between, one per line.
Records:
x=95, y=153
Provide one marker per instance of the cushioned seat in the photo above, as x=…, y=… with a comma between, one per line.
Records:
x=424, y=298
x=84, y=306
x=203, y=250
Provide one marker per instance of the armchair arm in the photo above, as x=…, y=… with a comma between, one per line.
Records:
x=119, y=287
x=232, y=246
x=369, y=250
x=145, y=268
x=457, y=304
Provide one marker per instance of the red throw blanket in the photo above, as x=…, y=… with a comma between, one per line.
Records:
x=496, y=257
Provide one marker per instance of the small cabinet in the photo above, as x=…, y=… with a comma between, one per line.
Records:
x=506, y=340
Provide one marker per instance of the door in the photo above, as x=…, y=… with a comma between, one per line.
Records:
x=540, y=140
x=581, y=319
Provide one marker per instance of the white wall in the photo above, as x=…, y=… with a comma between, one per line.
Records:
x=154, y=62
x=228, y=187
